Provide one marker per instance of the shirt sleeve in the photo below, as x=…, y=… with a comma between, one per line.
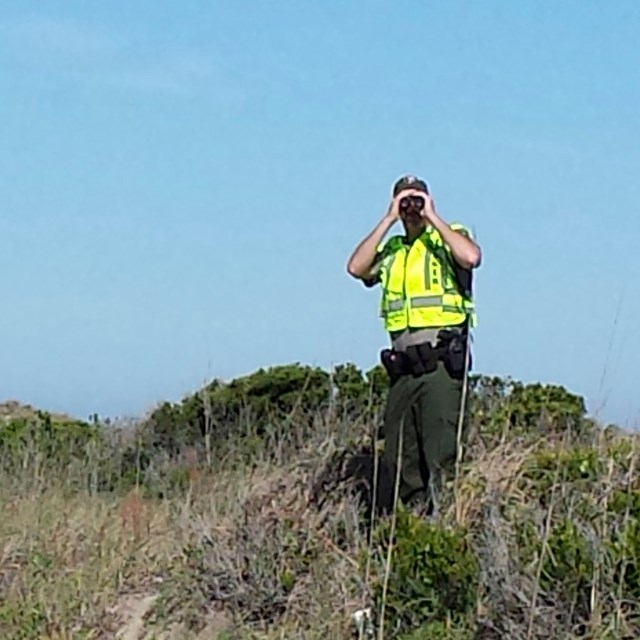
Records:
x=375, y=279
x=464, y=230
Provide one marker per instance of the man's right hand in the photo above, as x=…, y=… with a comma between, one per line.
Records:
x=393, y=212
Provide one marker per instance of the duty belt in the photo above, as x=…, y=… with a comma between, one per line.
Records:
x=418, y=359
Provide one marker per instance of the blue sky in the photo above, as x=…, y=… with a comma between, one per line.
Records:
x=181, y=185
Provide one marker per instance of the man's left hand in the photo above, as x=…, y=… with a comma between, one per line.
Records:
x=429, y=210
x=465, y=250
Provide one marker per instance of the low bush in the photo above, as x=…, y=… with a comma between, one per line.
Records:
x=433, y=575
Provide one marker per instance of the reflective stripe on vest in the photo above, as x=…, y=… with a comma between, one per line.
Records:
x=416, y=303
x=419, y=286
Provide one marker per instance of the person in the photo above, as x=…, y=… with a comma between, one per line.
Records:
x=426, y=277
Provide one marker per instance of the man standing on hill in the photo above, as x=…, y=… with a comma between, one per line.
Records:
x=425, y=276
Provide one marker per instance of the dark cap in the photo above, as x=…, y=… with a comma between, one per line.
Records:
x=409, y=182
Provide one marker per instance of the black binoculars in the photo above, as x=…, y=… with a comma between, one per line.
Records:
x=412, y=203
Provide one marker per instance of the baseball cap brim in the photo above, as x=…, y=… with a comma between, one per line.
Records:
x=410, y=182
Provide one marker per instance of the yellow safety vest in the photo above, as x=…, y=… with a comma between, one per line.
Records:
x=419, y=287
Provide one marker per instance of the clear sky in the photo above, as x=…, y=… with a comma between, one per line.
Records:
x=181, y=184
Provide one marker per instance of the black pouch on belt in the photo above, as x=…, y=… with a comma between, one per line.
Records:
x=395, y=363
x=423, y=357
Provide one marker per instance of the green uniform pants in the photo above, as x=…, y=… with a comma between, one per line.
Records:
x=427, y=409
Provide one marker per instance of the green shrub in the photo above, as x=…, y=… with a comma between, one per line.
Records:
x=631, y=541
x=623, y=501
x=501, y=406
x=22, y=621
x=46, y=437
x=548, y=407
x=246, y=406
x=434, y=574
x=577, y=469
x=625, y=552
x=38, y=449
x=489, y=404
x=357, y=392
x=440, y=631
x=568, y=567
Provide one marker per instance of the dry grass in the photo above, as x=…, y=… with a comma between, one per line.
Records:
x=243, y=551
x=80, y=565
x=258, y=551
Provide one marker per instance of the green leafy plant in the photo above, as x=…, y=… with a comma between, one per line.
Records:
x=434, y=574
x=567, y=571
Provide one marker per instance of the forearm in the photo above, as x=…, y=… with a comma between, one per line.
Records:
x=362, y=259
x=465, y=251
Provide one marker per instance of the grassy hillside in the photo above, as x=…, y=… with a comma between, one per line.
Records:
x=245, y=512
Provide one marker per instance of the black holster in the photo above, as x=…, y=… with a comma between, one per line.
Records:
x=454, y=356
